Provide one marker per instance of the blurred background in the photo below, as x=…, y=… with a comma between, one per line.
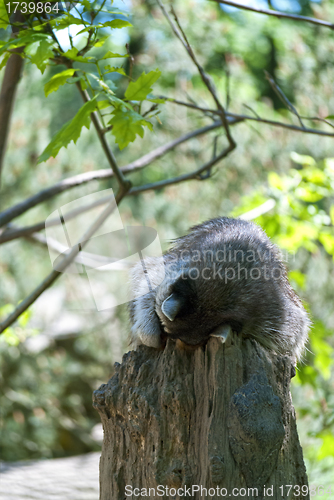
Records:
x=56, y=355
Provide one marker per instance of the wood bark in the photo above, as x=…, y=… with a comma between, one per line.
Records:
x=10, y=81
x=218, y=417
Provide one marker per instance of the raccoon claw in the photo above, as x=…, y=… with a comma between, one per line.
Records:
x=223, y=332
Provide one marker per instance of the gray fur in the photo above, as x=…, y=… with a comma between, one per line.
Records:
x=225, y=272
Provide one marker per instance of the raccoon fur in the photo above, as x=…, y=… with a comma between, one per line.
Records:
x=225, y=274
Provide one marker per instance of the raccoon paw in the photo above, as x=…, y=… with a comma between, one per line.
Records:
x=146, y=328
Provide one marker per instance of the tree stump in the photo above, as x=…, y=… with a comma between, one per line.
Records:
x=210, y=422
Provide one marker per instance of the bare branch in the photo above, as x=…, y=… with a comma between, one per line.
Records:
x=251, y=110
x=54, y=275
x=190, y=105
x=93, y=261
x=281, y=124
x=13, y=232
x=279, y=92
x=318, y=119
x=7, y=215
x=196, y=174
x=241, y=118
x=131, y=60
x=178, y=31
x=277, y=13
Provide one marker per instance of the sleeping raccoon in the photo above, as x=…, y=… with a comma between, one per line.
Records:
x=225, y=274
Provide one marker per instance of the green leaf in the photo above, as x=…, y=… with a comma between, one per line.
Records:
x=276, y=181
x=58, y=80
x=4, y=21
x=101, y=41
x=10, y=337
x=113, y=69
x=65, y=21
x=327, y=240
x=139, y=90
x=307, y=193
x=24, y=318
x=70, y=131
x=4, y=60
x=72, y=54
x=42, y=55
x=327, y=447
x=115, y=10
x=13, y=43
x=116, y=24
x=87, y=5
x=299, y=278
x=305, y=160
x=73, y=79
x=323, y=351
x=103, y=104
x=127, y=124
x=110, y=55
x=83, y=84
x=157, y=100
x=118, y=103
x=331, y=213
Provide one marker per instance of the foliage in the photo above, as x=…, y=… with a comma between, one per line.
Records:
x=42, y=48
x=302, y=224
x=20, y=331
x=46, y=408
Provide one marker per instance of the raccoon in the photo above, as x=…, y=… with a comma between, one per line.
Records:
x=224, y=275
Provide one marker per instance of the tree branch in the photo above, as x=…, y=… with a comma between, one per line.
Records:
x=241, y=118
x=305, y=130
x=179, y=33
x=54, y=275
x=277, y=13
x=93, y=261
x=7, y=215
x=14, y=232
x=196, y=174
x=13, y=71
x=122, y=181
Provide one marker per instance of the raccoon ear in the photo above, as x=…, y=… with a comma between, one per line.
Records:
x=172, y=306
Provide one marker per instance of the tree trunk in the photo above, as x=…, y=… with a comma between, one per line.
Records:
x=205, y=423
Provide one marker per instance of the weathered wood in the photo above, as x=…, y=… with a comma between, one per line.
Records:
x=217, y=417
